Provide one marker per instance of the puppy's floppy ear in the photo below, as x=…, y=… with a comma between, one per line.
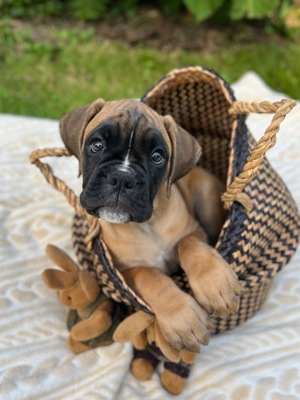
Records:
x=185, y=150
x=73, y=124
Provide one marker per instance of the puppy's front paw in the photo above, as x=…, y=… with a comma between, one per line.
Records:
x=217, y=288
x=184, y=324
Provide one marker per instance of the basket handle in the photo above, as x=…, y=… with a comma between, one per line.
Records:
x=60, y=185
x=280, y=109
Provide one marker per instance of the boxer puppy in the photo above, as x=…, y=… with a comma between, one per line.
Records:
x=157, y=211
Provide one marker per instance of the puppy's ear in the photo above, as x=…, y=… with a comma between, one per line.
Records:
x=73, y=124
x=185, y=150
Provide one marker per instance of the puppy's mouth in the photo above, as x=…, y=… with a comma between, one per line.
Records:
x=113, y=214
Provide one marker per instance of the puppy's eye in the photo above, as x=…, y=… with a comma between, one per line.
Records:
x=96, y=145
x=157, y=157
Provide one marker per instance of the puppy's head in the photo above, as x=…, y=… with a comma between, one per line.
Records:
x=126, y=151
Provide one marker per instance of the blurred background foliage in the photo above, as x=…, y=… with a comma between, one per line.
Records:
x=56, y=55
x=201, y=10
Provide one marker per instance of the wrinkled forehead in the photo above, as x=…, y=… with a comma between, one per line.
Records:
x=129, y=114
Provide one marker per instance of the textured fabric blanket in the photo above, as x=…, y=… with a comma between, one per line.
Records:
x=258, y=360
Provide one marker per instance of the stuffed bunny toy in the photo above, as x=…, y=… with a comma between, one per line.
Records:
x=150, y=347
x=95, y=320
x=91, y=315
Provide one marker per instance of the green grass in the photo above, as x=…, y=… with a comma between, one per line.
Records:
x=49, y=78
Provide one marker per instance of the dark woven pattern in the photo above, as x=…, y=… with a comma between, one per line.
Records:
x=200, y=107
x=271, y=230
x=258, y=244
x=79, y=233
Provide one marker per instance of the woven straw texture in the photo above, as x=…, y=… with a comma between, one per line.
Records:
x=262, y=229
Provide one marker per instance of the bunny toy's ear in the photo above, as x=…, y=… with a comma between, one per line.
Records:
x=132, y=326
x=73, y=124
x=185, y=150
x=59, y=280
x=61, y=259
x=89, y=285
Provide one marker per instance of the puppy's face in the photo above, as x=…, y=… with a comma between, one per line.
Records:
x=126, y=152
x=124, y=161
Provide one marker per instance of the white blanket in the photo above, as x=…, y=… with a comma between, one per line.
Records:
x=258, y=360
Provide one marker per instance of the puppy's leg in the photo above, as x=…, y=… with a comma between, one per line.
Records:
x=202, y=192
x=213, y=282
x=182, y=321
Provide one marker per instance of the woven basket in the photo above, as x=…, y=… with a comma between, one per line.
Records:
x=261, y=232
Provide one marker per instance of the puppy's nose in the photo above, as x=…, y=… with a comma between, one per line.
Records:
x=122, y=179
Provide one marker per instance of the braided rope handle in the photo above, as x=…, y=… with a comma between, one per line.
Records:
x=55, y=182
x=60, y=185
x=281, y=109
